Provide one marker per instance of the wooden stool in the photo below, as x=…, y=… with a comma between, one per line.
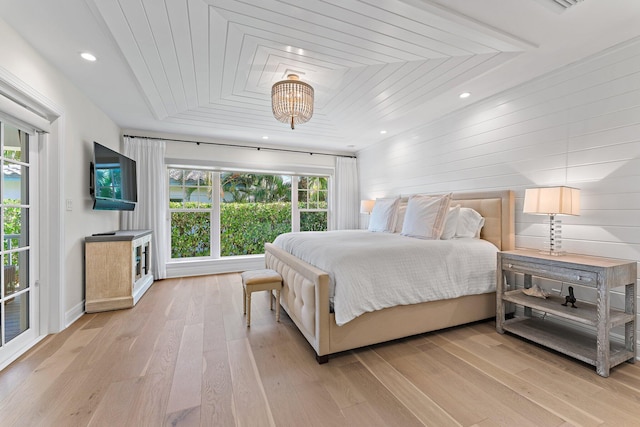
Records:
x=260, y=280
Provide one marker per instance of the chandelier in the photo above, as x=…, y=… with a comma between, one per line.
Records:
x=292, y=101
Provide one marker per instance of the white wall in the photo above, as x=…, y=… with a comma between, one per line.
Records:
x=248, y=157
x=79, y=125
x=578, y=126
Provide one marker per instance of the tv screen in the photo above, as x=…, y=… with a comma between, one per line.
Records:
x=113, y=183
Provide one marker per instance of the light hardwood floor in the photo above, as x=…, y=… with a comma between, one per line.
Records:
x=184, y=356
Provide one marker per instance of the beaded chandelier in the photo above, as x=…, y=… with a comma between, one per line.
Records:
x=292, y=101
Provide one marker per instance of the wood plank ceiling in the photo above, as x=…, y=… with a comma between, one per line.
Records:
x=204, y=68
x=209, y=65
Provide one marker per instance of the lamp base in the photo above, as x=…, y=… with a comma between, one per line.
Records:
x=553, y=246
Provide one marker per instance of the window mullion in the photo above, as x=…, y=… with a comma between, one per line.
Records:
x=215, y=215
x=295, y=213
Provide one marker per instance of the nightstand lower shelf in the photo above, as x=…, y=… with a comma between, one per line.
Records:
x=570, y=341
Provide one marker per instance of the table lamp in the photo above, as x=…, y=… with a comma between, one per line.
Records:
x=366, y=206
x=553, y=201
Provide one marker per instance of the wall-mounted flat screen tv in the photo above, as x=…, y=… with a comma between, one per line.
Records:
x=112, y=184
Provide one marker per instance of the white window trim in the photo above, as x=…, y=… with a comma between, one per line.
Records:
x=197, y=266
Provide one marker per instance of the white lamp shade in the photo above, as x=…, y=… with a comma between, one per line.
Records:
x=552, y=200
x=366, y=206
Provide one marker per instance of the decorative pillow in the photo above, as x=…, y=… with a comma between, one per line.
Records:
x=470, y=222
x=425, y=216
x=402, y=209
x=383, y=215
x=451, y=223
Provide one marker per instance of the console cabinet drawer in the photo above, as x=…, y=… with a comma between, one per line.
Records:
x=563, y=274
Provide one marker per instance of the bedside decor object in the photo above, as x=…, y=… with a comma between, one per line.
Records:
x=292, y=101
x=366, y=206
x=536, y=291
x=570, y=299
x=553, y=201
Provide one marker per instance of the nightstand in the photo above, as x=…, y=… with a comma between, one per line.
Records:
x=591, y=343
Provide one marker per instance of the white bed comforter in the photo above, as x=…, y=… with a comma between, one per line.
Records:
x=371, y=271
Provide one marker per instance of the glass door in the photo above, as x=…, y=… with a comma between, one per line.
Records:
x=18, y=317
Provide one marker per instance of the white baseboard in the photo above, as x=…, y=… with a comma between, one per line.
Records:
x=215, y=266
x=74, y=314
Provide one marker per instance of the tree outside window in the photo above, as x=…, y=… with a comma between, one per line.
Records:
x=220, y=214
x=190, y=204
x=255, y=209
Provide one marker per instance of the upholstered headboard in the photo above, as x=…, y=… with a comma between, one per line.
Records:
x=498, y=210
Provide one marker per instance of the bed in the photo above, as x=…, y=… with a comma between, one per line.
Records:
x=305, y=295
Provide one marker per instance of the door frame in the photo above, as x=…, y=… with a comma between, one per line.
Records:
x=32, y=108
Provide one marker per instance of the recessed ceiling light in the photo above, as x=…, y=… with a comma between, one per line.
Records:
x=87, y=56
x=464, y=95
x=265, y=137
x=382, y=132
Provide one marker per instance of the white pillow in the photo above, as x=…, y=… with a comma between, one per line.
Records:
x=402, y=209
x=383, y=215
x=425, y=216
x=451, y=223
x=470, y=222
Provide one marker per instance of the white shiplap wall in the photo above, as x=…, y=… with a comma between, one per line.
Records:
x=578, y=126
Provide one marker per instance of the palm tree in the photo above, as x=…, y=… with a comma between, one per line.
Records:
x=250, y=187
x=197, y=178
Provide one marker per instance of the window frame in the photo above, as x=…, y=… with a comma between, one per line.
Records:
x=217, y=171
x=295, y=210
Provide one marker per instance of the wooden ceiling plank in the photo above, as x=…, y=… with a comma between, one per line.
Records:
x=342, y=59
x=379, y=96
x=446, y=81
x=164, y=39
x=179, y=21
x=422, y=29
x=200, y=19
x=303, y=38
x=217, y=47
x=114, y=18
x=372, y=81
x=138, y=23
x=233, y=51
x=327, y=28
x=461, y=24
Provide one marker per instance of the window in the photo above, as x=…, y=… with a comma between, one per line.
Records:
x=255, y=209
x=191, y=207
x=220, y=214
x=15, y=295
x=313, y=203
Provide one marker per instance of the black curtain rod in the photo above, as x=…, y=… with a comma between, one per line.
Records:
x=250, y=147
